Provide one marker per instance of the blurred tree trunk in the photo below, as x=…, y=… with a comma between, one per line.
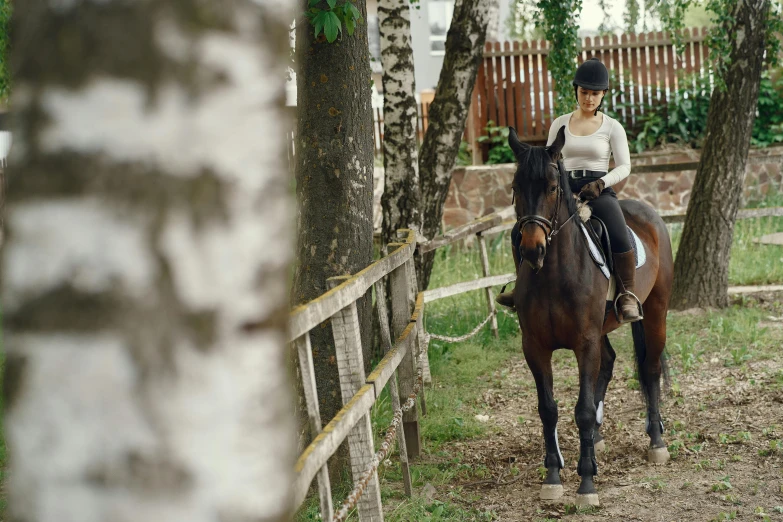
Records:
x=448, y=114
x=701, y=270
x=334, y=182
x=144, y=272
x=401, y=199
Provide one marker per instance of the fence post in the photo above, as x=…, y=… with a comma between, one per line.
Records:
x=386, y=341
x=414, y=292
x=485, y=268
x=350, y=366
x=311, y=398
x=402, y=307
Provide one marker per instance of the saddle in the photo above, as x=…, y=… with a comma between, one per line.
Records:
x=598, y=244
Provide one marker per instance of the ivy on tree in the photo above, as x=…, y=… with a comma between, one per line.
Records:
x=331, y=20
x=557, y=18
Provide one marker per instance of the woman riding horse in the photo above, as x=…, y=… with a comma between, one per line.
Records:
x=561, y=303
x=590, y=141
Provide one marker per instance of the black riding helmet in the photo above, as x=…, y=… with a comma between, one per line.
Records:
x=592, y=75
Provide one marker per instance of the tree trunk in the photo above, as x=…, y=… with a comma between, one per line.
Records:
x=334, y=181
x=701, y=270
x=402, y=194
x=448, y=113
x=144, y=272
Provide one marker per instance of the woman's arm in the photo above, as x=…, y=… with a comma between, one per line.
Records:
x=622, y=156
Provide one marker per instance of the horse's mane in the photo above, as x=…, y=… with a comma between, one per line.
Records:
x=533, y=165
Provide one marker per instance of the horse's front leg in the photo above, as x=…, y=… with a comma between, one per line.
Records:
x=604, y=376
x=589, y=359
x=539, y=360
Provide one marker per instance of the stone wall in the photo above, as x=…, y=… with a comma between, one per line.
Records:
x=481, y=190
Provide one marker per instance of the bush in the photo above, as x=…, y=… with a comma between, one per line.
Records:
x=499, y=151
x=768, y=127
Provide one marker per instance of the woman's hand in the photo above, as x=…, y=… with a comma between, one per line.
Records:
x=592, y=190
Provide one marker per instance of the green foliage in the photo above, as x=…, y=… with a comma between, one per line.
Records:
x=5, y=18
x=520, y=22
x=631, y=15
x=331, y=20
x=557, y=18
x=499, y=151
x=768, y=127
x=464, y=155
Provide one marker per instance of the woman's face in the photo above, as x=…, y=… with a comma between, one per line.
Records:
x=589, y=100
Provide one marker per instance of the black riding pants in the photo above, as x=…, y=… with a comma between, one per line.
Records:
x=607, y=208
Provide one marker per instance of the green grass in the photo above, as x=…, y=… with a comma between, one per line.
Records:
x=752, y=263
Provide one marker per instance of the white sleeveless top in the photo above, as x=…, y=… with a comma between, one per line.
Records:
x=592, y=152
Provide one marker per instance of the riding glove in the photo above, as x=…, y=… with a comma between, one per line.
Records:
x=592, y=190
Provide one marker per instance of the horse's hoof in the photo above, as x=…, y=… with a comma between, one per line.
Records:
x=658, y=455
x=589, y=499
x=600, y=446
x=551, y=491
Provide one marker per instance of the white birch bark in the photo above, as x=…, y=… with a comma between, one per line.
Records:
x=402, y=195
x=145, y=265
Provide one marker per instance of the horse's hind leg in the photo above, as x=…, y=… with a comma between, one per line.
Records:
x=604, y=376
x=649, y=338
x=539, y=360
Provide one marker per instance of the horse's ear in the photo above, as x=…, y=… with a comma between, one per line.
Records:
x=557, y=145
x=513, y=141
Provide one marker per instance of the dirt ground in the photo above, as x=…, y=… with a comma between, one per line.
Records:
x=724, y=425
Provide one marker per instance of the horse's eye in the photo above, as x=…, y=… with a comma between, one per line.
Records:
x=552, y=189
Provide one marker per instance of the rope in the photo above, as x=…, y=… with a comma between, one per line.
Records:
x=461, y=338
x=388, y=442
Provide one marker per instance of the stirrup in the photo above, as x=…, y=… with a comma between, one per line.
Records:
x=638, y=306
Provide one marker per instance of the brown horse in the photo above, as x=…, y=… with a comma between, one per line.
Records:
x=560, y=298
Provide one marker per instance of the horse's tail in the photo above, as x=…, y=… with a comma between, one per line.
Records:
x=640, y=349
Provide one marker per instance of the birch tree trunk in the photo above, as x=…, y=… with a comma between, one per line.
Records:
x=701, y=269
x=402, y=194
x=448, y=113
x=334, y=181
x=144, y=270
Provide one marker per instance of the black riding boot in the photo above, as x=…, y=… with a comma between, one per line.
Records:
x=626, y=304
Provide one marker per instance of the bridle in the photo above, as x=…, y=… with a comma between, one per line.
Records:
x=548, y=225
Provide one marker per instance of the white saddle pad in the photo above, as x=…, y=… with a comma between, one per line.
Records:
x=641, y=257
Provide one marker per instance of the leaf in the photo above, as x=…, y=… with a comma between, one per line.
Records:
x=318, y=22
x=357, y=15
x=313, y=3
x=350, y=25
x=331, y=3
x=331, y=26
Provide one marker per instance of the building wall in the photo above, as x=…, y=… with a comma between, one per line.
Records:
x=428, y=65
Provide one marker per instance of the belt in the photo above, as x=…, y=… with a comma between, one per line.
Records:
x=578, y=174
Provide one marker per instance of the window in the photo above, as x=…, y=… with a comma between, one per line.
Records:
x=439, y=13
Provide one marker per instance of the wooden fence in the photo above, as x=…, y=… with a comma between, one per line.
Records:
x=359, y=392
x=515, y=88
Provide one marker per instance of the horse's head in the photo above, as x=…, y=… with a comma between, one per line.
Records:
x=540, y=187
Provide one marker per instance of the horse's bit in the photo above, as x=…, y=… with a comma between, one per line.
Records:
x=548, y=225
